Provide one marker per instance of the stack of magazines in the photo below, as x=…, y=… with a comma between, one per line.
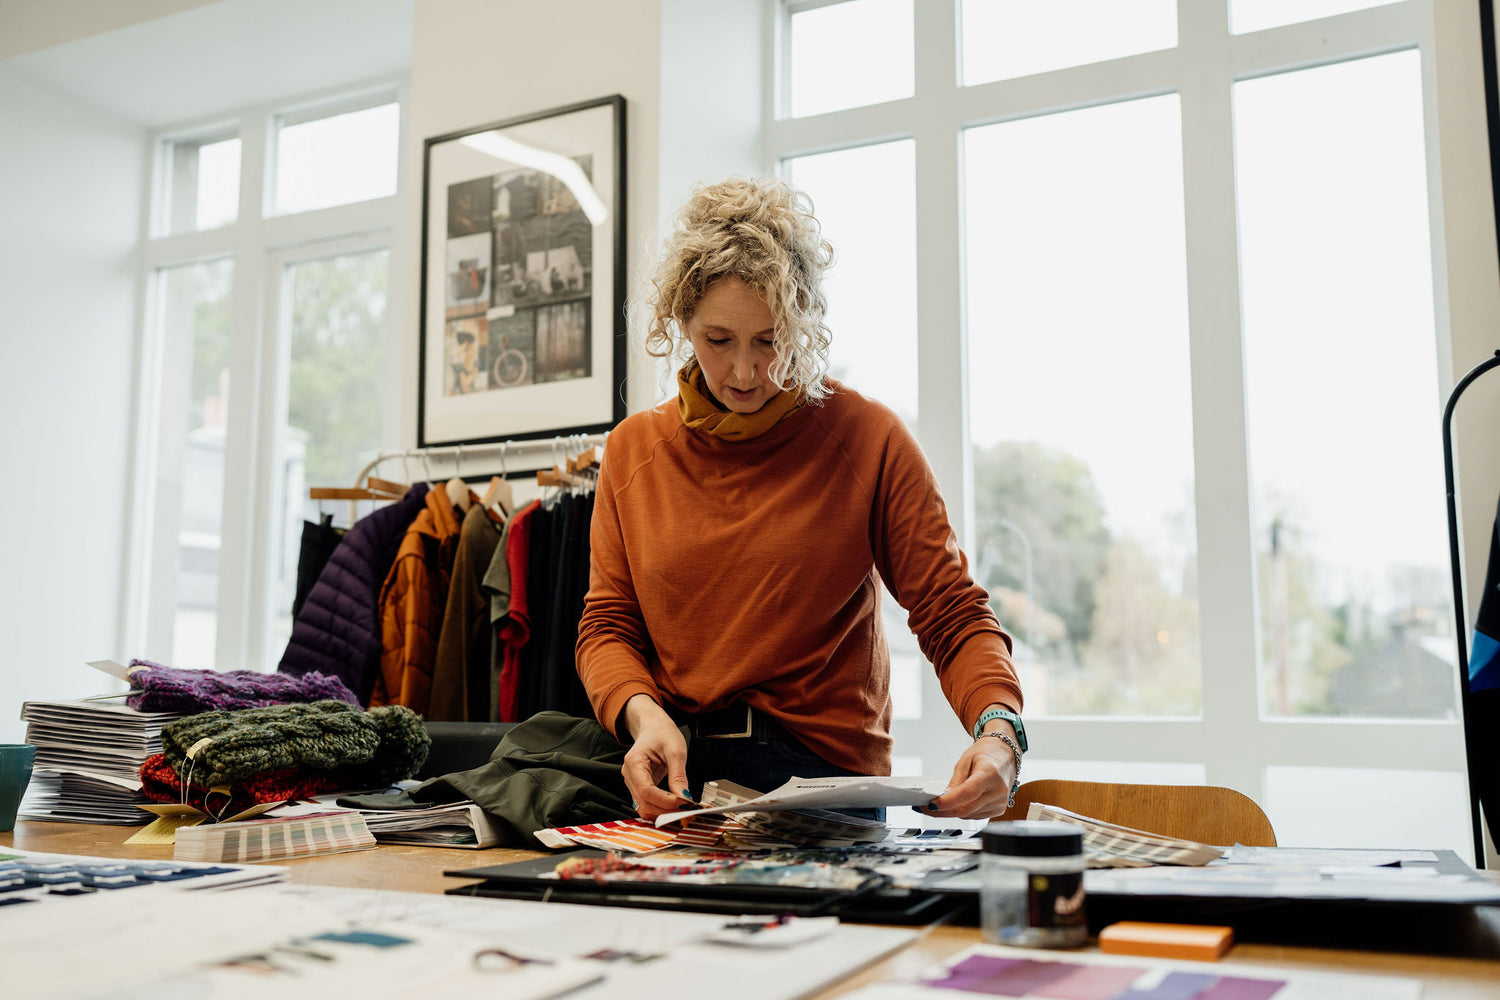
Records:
x=454, y=824
x=89, y=754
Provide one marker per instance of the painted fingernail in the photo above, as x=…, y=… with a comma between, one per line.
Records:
x=686, y=794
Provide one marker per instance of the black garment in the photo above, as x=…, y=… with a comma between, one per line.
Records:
x=531, y=695
x=1482, y=713
x=551, y=770
x=557, y=580
x=319, y=539
x=561, y=686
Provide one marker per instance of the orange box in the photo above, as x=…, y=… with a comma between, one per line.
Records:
x=1195, y=941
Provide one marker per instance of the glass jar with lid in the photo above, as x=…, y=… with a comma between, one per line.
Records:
x=1031, y=884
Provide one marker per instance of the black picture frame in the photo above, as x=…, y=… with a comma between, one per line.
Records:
x=522, y=301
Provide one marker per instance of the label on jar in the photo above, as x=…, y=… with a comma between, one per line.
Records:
x=1054, y=900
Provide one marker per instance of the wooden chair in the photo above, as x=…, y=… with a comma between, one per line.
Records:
x=1209, y=814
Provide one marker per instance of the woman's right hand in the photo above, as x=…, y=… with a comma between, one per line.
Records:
x=658, y=751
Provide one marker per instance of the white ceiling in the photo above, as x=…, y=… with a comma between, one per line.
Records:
x=225, y=55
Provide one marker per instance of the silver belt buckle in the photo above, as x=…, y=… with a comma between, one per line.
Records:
x=749, y=728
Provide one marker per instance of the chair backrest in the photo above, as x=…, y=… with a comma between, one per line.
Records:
x=1209, y=814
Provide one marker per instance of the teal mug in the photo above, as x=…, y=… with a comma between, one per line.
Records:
x=15, y=775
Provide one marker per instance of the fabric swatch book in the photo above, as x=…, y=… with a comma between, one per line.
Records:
x=274, y=838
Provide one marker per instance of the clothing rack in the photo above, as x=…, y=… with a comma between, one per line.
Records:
x=1461, y=631
x=562, y=449
x=558, y=448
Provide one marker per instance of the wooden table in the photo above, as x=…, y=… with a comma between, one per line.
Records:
x=420, y=869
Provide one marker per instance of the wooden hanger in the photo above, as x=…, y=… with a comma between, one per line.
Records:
x=498, y=496
x=458, y=490
x=588, y=459
x=557, y=476
x=387, y=486
x=349, y=493
x=458, y=493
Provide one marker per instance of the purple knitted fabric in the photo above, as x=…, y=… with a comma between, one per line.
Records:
x=173, y=689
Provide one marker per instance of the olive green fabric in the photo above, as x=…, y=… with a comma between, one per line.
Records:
x=367, y=749
x=548, y=771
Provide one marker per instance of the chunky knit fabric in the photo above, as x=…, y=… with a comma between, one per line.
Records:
x=366, y=749
x=160, y=783
x=160, y=688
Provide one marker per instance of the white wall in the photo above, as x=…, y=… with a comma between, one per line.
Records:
x=475, y=62
x=70, y=197
x=28, y=25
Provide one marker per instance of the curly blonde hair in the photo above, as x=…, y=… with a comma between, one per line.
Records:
x=763, y=232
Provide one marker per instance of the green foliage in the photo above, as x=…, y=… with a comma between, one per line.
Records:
x=207, y=287
x=338, y=356
x=1142, y=655
x=1049, y=498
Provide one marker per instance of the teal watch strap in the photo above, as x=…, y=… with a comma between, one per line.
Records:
x=1011, y=717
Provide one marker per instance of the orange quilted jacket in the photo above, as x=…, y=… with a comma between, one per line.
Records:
x=411, y=605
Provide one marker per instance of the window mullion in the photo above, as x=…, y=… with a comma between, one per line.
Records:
x=241, y=570
x=1226, y=596
x=1370, y=32
x=942, y=407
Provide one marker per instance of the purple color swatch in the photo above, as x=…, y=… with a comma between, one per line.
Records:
x=1239, y=988
x=1004, y=977
x=1174, y=986
x=1091, y=982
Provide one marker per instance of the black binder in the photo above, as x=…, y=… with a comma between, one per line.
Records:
x=875, y=901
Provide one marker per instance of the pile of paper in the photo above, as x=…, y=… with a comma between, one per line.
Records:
x=453, y=824
x=88, y=759
x=730, y=816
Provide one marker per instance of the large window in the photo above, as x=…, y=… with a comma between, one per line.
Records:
x=268, y=336
x=1176, y=367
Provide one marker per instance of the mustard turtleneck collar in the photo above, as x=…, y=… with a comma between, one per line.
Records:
x=702, y=412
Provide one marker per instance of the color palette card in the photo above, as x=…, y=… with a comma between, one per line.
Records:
x=994, y=971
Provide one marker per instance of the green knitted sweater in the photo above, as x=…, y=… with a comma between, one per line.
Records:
x=368, y=749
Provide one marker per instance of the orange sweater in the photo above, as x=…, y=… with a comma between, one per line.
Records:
x=724, y=570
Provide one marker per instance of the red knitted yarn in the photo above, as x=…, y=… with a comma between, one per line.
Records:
x=161, y=784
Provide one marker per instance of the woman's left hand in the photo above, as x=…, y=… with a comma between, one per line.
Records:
x=980, y=786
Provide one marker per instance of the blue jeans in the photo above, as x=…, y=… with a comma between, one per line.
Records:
x=764, y=761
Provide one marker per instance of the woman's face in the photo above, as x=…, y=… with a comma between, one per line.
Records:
x=731, y=332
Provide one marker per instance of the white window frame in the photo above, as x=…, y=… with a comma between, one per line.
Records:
x=260, y=246
x=1230, y=739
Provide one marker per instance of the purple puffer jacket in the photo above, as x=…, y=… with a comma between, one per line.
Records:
x=338, y=632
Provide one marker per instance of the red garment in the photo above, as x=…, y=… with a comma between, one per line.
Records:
x=160, y=783
x=515, y=628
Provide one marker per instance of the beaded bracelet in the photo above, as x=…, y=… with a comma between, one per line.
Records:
x=1015, y=751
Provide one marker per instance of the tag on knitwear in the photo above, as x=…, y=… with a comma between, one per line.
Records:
x=112, y=668
x=192, y=751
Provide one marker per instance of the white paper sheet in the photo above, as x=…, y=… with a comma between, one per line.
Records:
x=854, y=792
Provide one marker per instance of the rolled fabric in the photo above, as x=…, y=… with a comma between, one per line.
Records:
x=367, y=749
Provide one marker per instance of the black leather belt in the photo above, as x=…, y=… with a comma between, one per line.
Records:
x=734, y=721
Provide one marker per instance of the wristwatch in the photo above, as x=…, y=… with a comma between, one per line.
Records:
x=999, y=713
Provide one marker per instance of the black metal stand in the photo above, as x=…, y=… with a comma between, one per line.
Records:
x=1461, y=632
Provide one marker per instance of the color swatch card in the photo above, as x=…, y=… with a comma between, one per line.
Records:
x=994, y=971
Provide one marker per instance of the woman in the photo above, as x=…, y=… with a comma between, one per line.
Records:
x=740, y=537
